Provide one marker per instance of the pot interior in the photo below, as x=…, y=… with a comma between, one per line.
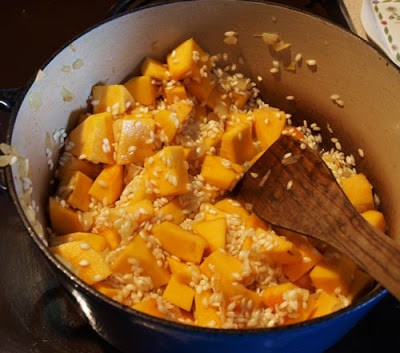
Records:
x=345, y=65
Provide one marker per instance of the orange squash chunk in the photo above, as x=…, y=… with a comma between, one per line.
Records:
x=180, y=242
x=310, y=257
x=205, y=314
x=237, y=144
x=183, y=61
x=359, y=191
x=201, y=88
x=76, y=190
x=113, y=98
x=134, y=138
x=63, y=220
x=167, y=169
x=183, y=271
x=214, y=231
x=268, y=124
x=154, y=68
x=111, y=236
x=87, y=263
x=376, y=219
x=96, y=242
x=334, y=274
x=149, y=306
x=93, y=139
x=70, y=164
x=172, y=211
x=179, y=294
x=169, y=123
x=108, y=185
x=175, y=93
x=325, y=303
x=220, y=172
x=142, y=90
x=138, y=250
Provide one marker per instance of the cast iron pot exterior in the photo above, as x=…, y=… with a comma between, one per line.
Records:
x=346, y=65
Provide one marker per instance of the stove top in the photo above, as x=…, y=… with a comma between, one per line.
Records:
x=36, y=315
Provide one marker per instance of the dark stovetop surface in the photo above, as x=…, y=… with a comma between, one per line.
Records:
x=35, y=314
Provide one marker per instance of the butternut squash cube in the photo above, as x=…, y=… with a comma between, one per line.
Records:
x=182, y=109
x=310, y=257
x=333, y=275
x=274, y=295
x=111, y=98
x=325, y=304
x=277, y=249
x=172, y=211
x=376, y=219
x=186, y=60
x=95, y=241
x=142, y=90
x=134, y=139
x=359, y=191
x=219, y=101
x=182, y=243
x=211, y=212
x=168, y=122
x=179, y=294
x=149, y=306
x=70, y=164
x=138, y=250
x=205, y=314
x=201, y=88
x=239, y=99
x=167, y=170
x=233, y=207
x=232, y=290
x=108, y=185
x=225, y=264
x=268, y=125
x=93, y=139
x=254, y=222
x=175, y=93
x=213, y=231
x=112, y=237
x=181, y=270
x=88, y=264
x=220, y=172
x=212, y=141
x=76, y=190
x=155, y=69
x=106, y=290
x=63, y=219
x=237, y=118
x=237, y=144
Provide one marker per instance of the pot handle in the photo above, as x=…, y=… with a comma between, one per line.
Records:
x=123, y=5
x=8, y=100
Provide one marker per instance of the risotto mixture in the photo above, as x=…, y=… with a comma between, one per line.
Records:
x=140, y=211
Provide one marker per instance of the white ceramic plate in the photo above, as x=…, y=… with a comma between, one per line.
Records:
x=381, y=21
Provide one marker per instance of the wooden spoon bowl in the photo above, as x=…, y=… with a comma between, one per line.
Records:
x=291, y=187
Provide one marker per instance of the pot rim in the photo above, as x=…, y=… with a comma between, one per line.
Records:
x=374, y=295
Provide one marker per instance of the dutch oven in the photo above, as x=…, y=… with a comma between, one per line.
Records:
x=367, y=83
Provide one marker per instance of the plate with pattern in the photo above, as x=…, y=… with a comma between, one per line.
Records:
x=381, y=21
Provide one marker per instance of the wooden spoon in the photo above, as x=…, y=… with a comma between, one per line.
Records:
x=291, y=187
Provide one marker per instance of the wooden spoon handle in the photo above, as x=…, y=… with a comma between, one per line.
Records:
x=371, y=249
